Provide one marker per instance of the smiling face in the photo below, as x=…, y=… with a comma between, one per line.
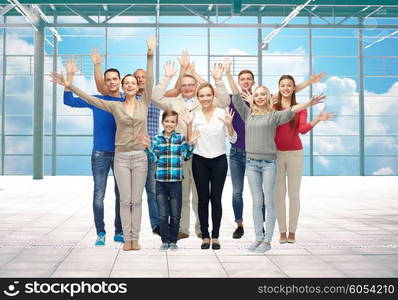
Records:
x=112, y=81
x=246, y=81
x=188, y=87
x=286, y=88
x=206, y=96
x=261, y=97
x=129, y=85
x=169, y=124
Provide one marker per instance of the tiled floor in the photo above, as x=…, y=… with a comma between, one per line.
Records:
x=348, y=228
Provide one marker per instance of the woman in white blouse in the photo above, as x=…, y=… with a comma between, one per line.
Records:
x=209, y=162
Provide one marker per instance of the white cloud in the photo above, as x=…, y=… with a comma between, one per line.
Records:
x=384, y=171
x=323, y=161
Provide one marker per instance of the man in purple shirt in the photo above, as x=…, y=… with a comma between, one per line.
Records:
x=237, y=155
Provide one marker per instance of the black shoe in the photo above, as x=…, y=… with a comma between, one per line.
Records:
x=215, y=246
x=156, y=230
x=238, y=233
x=205, y=245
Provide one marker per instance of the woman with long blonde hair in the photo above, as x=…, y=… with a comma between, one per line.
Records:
x=260, y=125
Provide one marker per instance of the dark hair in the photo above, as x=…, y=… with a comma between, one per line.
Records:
x=128, y=75
x=112, y=70
x=169, y=113
x=278, y=104
x=202, y=86
x=246, y=71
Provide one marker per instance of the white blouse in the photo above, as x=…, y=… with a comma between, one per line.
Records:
x=211, y=142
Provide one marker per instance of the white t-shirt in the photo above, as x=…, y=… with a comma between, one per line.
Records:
x=211, y=142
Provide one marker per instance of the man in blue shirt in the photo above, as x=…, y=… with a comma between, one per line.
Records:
x=103, y=150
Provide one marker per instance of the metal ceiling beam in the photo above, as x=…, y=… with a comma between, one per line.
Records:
x=311, y=12
x=204, y=25
x=354, y=15
x=81, y=14
x=373, y=12
x=291, y=16
x=117, y=14
x=196, y=13
x=6, y=9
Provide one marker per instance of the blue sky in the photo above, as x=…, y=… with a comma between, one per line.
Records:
x=336, y=143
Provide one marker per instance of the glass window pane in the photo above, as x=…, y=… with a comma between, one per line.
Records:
x=74, y=145
x=336, y=165
x=387, y=165
x=336, y=145
x=75, y=125
x=18, y=125
x=336, y=66
x=335, y=46
x=381, y=145
x=18, y=165
x=73, y=165
x=18, y=145
x=381, y=65
x=381, y=125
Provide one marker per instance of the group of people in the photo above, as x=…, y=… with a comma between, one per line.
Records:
x=188, y=157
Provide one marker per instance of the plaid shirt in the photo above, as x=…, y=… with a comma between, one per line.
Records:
x=169, y=153
x=153, y=121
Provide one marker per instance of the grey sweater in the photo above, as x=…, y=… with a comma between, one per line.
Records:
x=260, y=129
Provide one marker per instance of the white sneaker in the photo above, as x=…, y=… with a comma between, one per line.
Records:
x=254, y=245
x=264, y=247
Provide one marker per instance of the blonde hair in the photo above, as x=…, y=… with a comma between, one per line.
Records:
x=256, y=110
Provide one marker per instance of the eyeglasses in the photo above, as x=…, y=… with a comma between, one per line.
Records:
x=188, y=85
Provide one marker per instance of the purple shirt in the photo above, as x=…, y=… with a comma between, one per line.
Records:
x=239, y=126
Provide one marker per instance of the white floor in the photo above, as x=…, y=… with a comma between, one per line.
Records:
x=348, y=228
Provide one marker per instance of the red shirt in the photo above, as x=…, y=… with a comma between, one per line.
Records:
x=288, y=140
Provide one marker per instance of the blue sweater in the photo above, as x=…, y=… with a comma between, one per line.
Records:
x=104, y=123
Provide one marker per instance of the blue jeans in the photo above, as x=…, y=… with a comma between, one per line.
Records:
x=169, y=199
x=150, y=187
x=261, y=175
x=237, y=166
x=101, y=163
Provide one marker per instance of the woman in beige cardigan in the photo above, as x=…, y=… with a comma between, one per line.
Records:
x=130, y=164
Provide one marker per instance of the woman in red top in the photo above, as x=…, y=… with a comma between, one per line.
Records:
x=290, y=157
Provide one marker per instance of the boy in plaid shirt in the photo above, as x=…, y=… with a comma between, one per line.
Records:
x=169, y=149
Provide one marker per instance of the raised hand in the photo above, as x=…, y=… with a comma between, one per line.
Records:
x=247, y=96
x=71, y=65
x=184, y=59
x=59, y=79
x=228, y=116
x=144, y=139
x=191, y=68
x=325, y=116
x=315, y=78
x=96, y=58
x=169, y=69
x=317, y=99
x=194, y=137
x=227, y=65
x=216, y=72
x=151, y=44
x=186, y=116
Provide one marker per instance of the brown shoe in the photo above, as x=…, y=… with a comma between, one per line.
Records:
x=135, y=245
x=182, y=235
x=200, y=235
x=127, y=246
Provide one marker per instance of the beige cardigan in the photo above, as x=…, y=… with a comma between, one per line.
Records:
x=178, y=104
x=128, y=128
